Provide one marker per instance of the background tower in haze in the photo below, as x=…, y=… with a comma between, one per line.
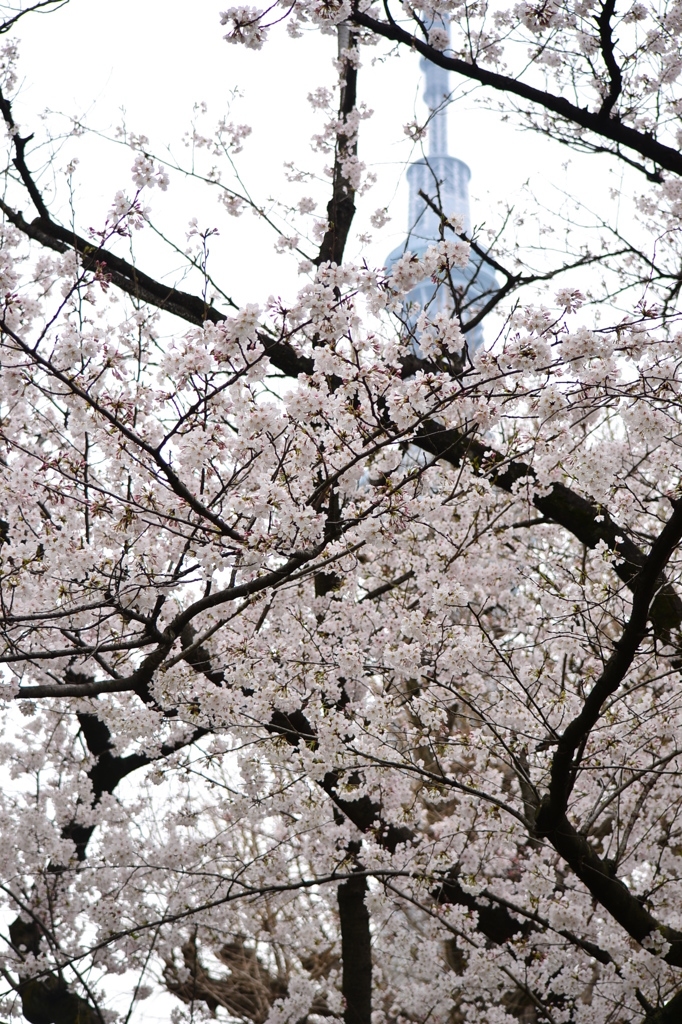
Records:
x=445, y=179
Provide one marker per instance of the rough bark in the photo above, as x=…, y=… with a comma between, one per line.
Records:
x=356, y=951
x=341, y=206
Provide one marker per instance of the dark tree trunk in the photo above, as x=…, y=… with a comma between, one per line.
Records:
x=356, y=951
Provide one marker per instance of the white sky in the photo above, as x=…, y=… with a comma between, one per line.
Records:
x=156, y=58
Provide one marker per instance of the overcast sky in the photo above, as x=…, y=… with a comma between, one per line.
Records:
x=155, y=58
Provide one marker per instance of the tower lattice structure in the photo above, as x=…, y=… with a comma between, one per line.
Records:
x=445, y=180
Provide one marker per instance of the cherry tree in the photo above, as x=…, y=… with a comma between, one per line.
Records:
x=342, y=663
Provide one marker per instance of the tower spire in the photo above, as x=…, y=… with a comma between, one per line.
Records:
x=436, y=91
x=445, y=180
x=440, y=176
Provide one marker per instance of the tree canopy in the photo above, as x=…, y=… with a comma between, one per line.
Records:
x=341, y=659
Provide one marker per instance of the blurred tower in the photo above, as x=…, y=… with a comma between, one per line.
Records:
x=445, y=180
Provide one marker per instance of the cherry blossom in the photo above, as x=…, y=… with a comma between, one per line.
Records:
x=341, y=655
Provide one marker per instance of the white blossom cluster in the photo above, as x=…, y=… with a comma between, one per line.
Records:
x=300, y=597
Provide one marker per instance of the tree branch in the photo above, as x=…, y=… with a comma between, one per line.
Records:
x=341, y=206
x=47, y=999
x=607, y=127
x=671, y=1013
x=607, y=49
x=645, y=584
x=588, y=521
x=551, y=820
